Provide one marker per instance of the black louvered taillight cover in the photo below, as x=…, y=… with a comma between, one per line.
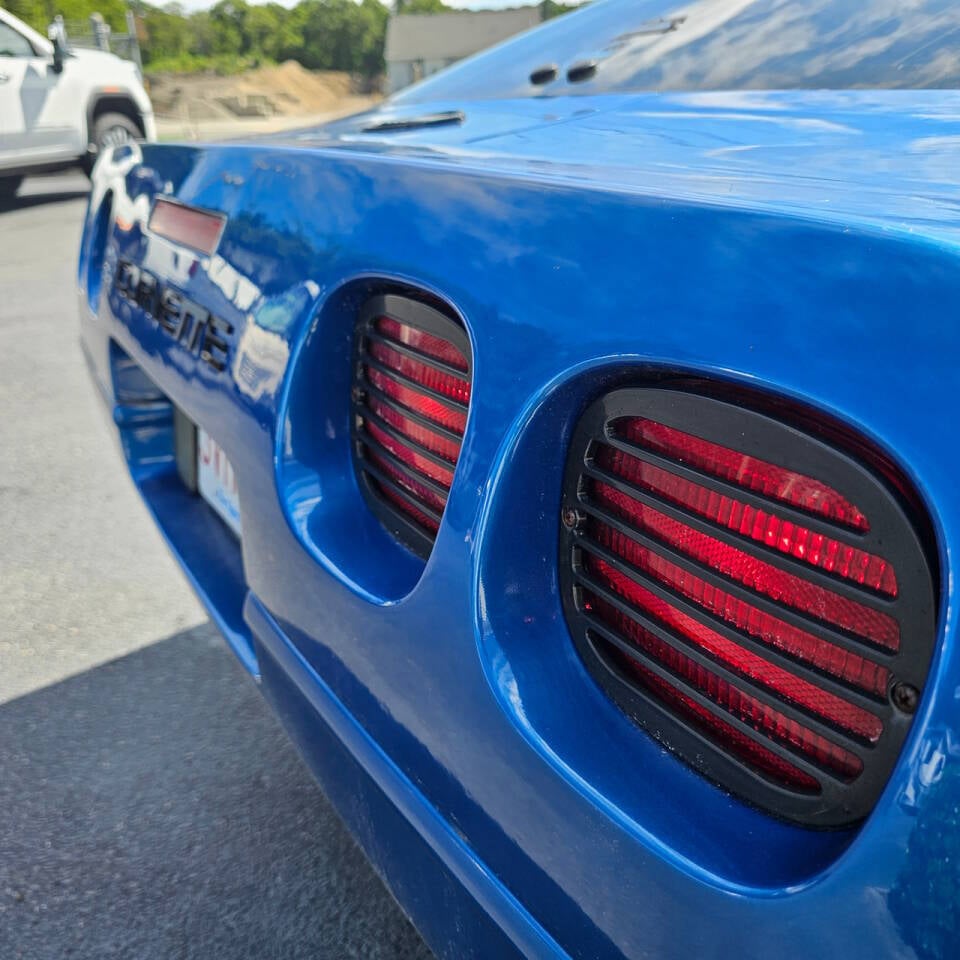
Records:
x=411, y=395
x=759, y=600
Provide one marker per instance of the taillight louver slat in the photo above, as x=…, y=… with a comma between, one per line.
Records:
x=411, y=397
x=648, y=601
x=406, y=392
x=748, y=594
x=761, y=526
x=803, y=646
x=742, y=565
x=705, y=683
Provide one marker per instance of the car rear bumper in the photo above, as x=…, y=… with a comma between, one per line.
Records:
x=413, y=847
x=509, y=805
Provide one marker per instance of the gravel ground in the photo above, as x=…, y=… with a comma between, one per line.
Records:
x=145, y=810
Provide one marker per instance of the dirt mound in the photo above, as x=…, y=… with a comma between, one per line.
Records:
x=293, y=84
x=287, y=89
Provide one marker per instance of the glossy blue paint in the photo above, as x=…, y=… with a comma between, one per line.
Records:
x=636, y=45
x=805, y=244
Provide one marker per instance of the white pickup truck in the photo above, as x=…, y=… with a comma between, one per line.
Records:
x=59, y=107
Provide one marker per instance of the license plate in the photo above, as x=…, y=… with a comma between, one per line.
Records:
x=216, y=480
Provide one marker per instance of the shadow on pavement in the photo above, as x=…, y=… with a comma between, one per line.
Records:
x=9, y=204
x=152, y=807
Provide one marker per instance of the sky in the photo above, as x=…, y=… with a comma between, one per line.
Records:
x=192, y=5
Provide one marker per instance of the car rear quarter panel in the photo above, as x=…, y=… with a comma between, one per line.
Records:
x=466, y=688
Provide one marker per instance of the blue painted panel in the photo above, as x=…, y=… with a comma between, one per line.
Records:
x=643, y=234
x=634, y=45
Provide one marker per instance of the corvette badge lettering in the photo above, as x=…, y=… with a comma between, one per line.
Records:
x=187, y=322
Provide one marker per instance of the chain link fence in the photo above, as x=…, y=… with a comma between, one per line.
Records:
x=95, y=34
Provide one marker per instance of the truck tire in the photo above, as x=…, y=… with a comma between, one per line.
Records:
x=109, y=130
x=9, y=187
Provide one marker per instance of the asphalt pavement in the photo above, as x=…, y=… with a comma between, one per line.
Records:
x=146, y=810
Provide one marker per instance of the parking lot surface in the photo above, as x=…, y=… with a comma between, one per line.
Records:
x=150, y=806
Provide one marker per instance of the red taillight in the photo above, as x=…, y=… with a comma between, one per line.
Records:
x=787, y=588
x=412, y=394
x=423, y=342
x=760, y=525
x=427, y=437
x=187, y=226
x=733, y=699
x=830, y=707
x=409, y=397
x=748, y=472
x=794, y=641
x=767, y=605
x=740, y=744
x=414, y=489
x=421, y=372
x=402, y=448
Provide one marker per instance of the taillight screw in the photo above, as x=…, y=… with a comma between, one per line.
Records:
x=358, y=395
x=905, y=697
x=571, y=518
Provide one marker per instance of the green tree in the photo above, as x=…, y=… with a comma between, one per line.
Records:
x=551, y=8
x=40, y=13
x=33, y=12
x=203, y=34
x=423, y=6
x=228, y=20
x=333, y=34
x=369, y=55
x=168, y=32
x=265, y=29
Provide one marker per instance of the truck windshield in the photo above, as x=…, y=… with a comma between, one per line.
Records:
x=614, y=46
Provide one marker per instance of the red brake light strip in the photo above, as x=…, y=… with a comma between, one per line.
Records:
x=751, y=473
x=424, y=342
x=187, y=226
x=402, y=417
x=440, y=382
x=800, y=644
x=872, y=625
x=827, y=553
x=747, y=749
x=749, y=709
x=830, y=707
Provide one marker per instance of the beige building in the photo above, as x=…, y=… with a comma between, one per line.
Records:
x=420, y=44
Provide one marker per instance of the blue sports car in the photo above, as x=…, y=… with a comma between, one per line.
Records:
x=565, y=449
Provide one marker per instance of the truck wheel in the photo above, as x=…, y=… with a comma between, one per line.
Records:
x=109, y=130
x=9, y=187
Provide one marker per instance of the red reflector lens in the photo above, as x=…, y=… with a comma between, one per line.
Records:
x=840, y=663
x=816, y=549
x=417, y=402
x=433, y=441
x=410, y=457
x=763, y=718
x=826, y=705
x=871, y=625
x=424, y=342
x=411, y=397
x=748, y=750
x=405, y=506
x=747, y=600
x=443, y=383
x=423, y=493
x=745, y=471
x=187, y=226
